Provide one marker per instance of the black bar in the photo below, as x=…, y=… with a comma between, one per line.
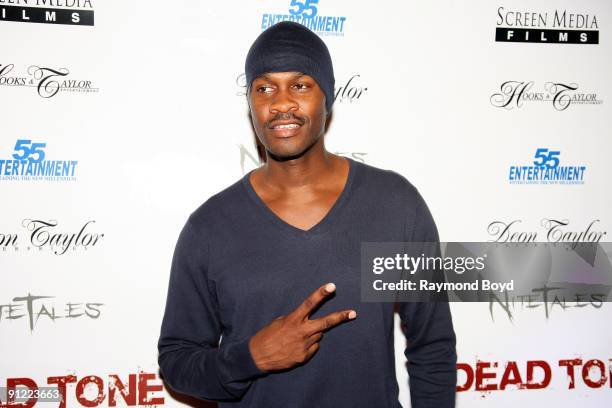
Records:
x=38, y=15
x=532, y=35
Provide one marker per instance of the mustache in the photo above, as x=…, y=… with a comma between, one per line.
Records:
x=285, y=116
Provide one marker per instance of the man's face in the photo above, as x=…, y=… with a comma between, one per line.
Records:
x=288, y=112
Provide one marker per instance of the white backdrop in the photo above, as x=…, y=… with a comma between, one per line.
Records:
x=156, y=120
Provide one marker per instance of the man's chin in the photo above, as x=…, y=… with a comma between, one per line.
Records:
x=290, y=149
x=289, y=154
x=285, y=156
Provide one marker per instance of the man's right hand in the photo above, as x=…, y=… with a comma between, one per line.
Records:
x=293, y=339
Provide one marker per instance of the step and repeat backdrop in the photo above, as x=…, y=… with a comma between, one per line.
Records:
x=118, y=119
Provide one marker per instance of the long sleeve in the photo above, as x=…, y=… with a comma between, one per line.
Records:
x=190, y=358
x=429, y=331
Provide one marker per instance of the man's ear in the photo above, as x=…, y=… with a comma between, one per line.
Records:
x=328, y=117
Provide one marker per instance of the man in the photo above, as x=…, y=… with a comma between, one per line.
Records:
x=271, y=265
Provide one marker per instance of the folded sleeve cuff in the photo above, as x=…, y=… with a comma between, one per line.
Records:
x=236, y=362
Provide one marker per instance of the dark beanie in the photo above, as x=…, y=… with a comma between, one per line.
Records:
x=288, y=46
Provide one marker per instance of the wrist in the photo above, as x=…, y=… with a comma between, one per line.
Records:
x=255, y=356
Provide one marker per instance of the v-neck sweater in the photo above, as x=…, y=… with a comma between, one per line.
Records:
x=319, y=227
x=237, y=266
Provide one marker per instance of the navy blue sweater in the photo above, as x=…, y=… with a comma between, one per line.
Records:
x=237, y=266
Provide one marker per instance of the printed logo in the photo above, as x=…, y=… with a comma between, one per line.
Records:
x=47, y=82
x=250, y=161
x=32, y=307
x=345, y=91
x=349, y=91
x=306, y=12
x=29, y=163
x=556, y=27
x=555, y=230
x=67, y=12
x=572, y=373
x=139, y=389
x=560, y=95
x=547, y=299
x=43, y=235
x=546, y=169
x=551, y=296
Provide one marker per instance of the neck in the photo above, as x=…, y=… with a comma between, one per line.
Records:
x=309, y=169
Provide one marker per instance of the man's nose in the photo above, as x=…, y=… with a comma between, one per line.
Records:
x=283, y=102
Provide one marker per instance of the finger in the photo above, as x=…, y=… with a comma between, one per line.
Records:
x=311, y=302
x=315, y=338
x=331, y=320
x=312, y=349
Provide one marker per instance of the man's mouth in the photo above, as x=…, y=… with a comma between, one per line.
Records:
x=285, y=128
x=289, y=126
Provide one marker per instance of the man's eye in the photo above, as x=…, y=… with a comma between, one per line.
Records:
x=301, y=86
x=263, y=89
